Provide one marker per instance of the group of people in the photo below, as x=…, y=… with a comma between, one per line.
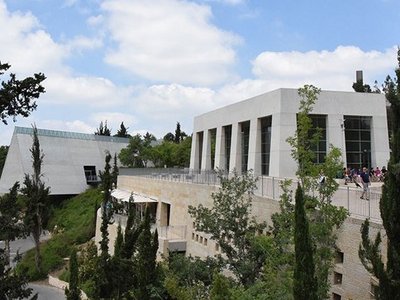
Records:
x=362, y=178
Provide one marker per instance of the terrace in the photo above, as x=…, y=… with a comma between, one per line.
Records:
x=347, y=196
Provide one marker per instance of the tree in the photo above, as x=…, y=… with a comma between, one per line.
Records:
x=178, y=133
x=305, y=284
x=3, y=156
x=169, y=137
x=18, y=97
x=37, y=197
x=132, y=231
x=146, y=265
x=10, y=222
x=122, y=131
x=73, y=292
x=131, y=156
x=230, y=224
x=370, y=252
x=103, y=129
x=12, y=286
x=115, y=171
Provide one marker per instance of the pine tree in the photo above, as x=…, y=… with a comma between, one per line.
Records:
x=146, y=259
x=73, y=292
x=103, y=129
x=122, y=131
x=132, y=231
x=37, y=195
x=115, y=171
x=369, y=252
x=119, y=242
x=305, y=283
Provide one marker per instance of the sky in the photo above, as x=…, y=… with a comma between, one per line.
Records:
x=153, y=63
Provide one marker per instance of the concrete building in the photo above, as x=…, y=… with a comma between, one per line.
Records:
x=71, y=160
x=251, y=134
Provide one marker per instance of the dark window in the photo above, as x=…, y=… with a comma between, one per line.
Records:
x=336, y=296
x=245, y=136
x=265, y=144
x=318, y=147
x=90, y=174
x=358, y=141
x=213, y=136
x=339, y=257
x=228, y=138
x=200, y=145
x=337, y=278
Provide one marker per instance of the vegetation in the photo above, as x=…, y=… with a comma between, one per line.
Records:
x=18, y=97
x=72, y=224
x=36, y=199
x=11, y=227
x=122, y=131
x=73, y=292
x=103, y=129
x=370, y=252
x=230, y=224
x=3, y=155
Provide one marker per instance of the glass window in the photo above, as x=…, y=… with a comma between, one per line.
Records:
x=266, y=129
x=228, y=138
x=245, y=136
x=358, y=141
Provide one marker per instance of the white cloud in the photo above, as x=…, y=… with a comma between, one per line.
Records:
x=79, y=43
x=95, y=20
x=326, y=69
x=169, y=40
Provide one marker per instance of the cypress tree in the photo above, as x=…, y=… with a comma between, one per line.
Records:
x=119, y=242
x=146, y=259
x=305, y=283
x=369, y=252
x=73, y=292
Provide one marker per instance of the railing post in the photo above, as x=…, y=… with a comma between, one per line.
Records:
x=273, y=188
x=348, y=199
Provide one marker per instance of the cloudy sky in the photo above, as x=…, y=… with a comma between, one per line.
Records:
x=151, y=63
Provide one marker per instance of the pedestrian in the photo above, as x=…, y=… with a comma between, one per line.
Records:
x=365, y=182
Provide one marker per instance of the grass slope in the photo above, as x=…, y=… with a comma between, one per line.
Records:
x=75, y=222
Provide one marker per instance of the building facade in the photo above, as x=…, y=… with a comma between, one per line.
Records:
x=252, y=134
x=71, y=160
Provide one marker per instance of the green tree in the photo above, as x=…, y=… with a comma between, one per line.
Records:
x=122, y=131
x=3, y=156
x=10, y=221
x=119, y=242
x=132, y=231
x=18, y=97
x=37, y=198
x=115, y=171
x=146, y=264
x=169, y=137
x=221, y=288
x=370, y=252
x=73, y=292
x=103, y=129
x=103, y=287
x=12, y=286
x=230, y=224
x=305, y=283
x=131, y=156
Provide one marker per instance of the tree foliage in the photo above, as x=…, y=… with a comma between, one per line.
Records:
x=3, y=156
x=103, y=129
x=37, y=198
x=230, y=224
x=370, y=252
x=122, y=131
x=18, y=97
x=73, y=292
x=10, y=220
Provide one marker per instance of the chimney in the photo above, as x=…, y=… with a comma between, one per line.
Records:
x=359, y=76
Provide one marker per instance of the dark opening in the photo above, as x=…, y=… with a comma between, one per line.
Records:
x=90, y=174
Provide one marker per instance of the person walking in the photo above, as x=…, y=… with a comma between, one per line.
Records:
x=365, y=182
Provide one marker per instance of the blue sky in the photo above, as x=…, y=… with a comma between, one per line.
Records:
x=155, y=62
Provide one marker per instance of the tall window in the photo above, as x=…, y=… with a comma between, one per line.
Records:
x=228, y=138
x=213, y=137
x=265, y=144
x=319, y=149
x=358, y=141
x=245, y=136
x=200, y=146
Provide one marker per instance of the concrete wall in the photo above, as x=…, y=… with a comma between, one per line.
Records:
x=356, y=280
x=283, y=105
x=64, y=158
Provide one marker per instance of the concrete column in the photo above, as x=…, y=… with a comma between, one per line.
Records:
x=254, y=162
x=235, y=159
x=379, y=146
x=206, y=153
x=219, y=149
x=194, y=154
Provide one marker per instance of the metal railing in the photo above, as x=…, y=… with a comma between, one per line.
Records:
x=270, y=187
